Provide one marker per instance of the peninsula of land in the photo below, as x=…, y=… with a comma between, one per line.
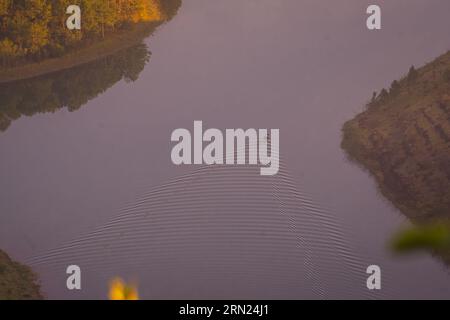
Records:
x=403, y=140
x=29, y=49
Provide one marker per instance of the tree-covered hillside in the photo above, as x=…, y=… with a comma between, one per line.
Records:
x=33, y=30
x=403, y=139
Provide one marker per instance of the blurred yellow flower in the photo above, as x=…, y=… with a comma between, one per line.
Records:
x=119, y=290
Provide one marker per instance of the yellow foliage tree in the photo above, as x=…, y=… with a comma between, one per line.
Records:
x=149, y=11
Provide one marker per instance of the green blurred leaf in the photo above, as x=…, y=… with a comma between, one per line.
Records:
x=428, y=237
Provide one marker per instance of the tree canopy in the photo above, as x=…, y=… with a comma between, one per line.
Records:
x=32, y=30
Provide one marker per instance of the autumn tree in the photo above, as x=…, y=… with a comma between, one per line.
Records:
x=35, y=29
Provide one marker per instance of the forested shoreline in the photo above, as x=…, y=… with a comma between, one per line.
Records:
x=403, y=139
x=35, y=30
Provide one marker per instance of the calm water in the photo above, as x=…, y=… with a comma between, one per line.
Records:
x=93, y=184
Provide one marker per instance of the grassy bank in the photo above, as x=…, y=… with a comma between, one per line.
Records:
x=88, y=53
x=403, y=140
x=16, y=280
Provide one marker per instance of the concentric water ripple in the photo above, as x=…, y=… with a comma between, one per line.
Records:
x=218, y=232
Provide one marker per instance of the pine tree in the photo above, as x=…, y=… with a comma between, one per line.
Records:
x=395, y=88
x=412, y=74
x=384, y=96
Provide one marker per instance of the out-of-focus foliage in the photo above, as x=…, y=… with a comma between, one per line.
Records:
x=120, y=290
x=434, y=236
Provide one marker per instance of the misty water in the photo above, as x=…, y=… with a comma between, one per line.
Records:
x=86, y=176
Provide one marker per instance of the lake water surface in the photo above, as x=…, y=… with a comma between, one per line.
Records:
x=96, y=186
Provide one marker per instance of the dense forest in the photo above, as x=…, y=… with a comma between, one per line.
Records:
x=33, y=30
x=69, y=88
x=403, y=139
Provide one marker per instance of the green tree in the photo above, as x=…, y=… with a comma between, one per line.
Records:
x=412, y=74
x=384, y=96
x=395, y=88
